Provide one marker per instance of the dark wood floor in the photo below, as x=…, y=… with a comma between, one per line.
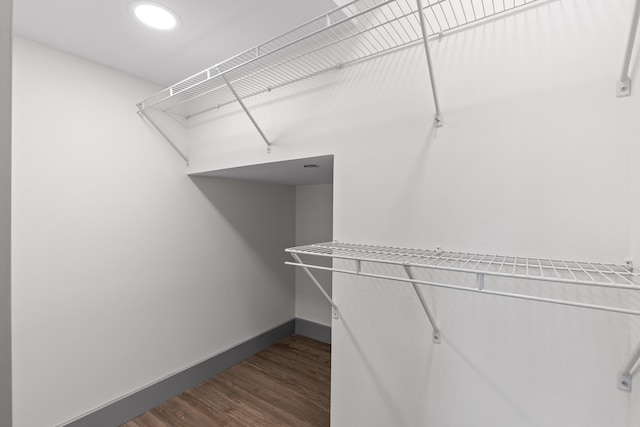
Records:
x=287, y=384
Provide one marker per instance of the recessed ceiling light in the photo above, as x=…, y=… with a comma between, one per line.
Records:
x=154, y=15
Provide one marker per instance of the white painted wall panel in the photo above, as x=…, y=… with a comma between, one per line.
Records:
x=533, y=159
x=5, y=212
x=314, y=223
x=634, y=198
x=125, y=269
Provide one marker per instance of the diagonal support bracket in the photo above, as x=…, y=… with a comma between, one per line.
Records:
x=425, y=306
x=246, y=110
x=623, y=87
x=153, y=124
x=624, y=377
x=335, y=310
x=437, y=122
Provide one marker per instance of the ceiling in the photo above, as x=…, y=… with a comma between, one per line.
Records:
x=211, y=31
x=289, y=172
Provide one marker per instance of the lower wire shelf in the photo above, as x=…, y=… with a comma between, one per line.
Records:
x=581, y=273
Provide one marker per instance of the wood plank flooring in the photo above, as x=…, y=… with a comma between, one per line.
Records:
x=287, y=384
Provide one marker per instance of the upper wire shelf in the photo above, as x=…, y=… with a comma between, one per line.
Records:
x=550, y=270
x=355, y=31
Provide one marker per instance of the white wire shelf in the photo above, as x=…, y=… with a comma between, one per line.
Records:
x=355, y=31
x=550, y=270
x=613, y=276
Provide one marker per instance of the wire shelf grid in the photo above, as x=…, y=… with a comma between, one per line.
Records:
x=358, y=30
x=550, y=270
x=540, y=269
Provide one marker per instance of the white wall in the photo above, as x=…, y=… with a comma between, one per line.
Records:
x=125, y=269
x=634, y=192
x=534, y=159
x=5, y=212
x=314, y=223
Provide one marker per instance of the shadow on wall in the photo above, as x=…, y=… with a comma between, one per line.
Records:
x=263, y=215
x=525, y=417
x=389, y=400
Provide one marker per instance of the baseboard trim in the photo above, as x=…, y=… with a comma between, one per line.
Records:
x=129, y=407
x=313, y=330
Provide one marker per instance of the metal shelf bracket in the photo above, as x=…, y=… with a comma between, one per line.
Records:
x=624, y=382
x=624, y=377
x=247, y=112
x=623, y=87
x=335, y=312
x=143, y=114
x=425, y=306
x=437, y=122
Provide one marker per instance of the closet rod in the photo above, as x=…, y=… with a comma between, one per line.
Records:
x=624, y=84
x=480, y=290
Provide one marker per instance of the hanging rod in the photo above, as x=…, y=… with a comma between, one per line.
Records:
x=624, y=83
x=604, y=275
x=474, y=290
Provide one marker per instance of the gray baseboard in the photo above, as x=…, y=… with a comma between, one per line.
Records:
x=123, y=410
x=313, y=330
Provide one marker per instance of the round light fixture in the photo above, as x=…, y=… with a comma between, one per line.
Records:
x=154, y=15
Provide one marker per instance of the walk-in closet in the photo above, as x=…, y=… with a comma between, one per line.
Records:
x=349, y=213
